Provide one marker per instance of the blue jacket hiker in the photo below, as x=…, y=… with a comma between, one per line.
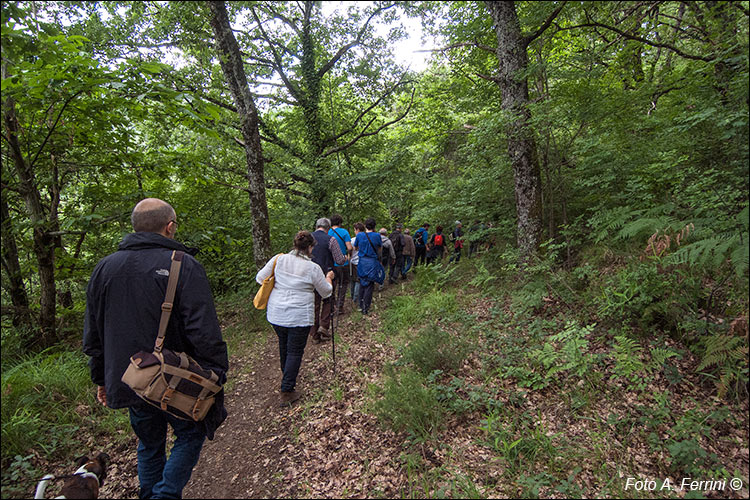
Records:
x=369, y=269
x=420, y=243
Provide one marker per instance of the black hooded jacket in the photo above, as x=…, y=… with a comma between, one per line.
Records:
x=123, y=306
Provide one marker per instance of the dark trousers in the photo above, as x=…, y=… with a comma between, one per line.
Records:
x=421, y=255
x=397, y=266
x=456, y=254
x=435, y=254
x=342, y=283
x=292, y=342
x=322, y=312
x=355, y=285
x=160, y=477
x=365, y=297
x=473, y=246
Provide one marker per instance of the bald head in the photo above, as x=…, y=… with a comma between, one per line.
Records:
x=152, y=215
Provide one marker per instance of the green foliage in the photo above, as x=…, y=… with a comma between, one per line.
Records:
x=410, y=405
x=47, y=400
x=436, y=349
x=519, y=442
x=407, y=310
x=644, y=296
x=727, y=356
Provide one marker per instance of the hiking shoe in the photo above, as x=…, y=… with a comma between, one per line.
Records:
x=324, y=337
x=316, y=339
x=322, y=331
x=288, y=398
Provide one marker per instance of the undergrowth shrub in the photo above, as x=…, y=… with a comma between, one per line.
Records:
x=410, y=405
x=405, y=311
x=47, y=399
x=562, y=356
x=643, y=296
x=436, y=349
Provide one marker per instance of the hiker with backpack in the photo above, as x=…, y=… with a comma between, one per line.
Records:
x=420, y=243
x=369, y=269
x=343, y=239
x=408, y=252
x=397, y=264
x=458, y=242
x=389, y=254
x=325, y=253
x=436, y=245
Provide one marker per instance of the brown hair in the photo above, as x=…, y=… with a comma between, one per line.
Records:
x=303, y=240
x=359, y=227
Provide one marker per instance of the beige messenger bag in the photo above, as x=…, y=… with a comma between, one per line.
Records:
x=172, y=381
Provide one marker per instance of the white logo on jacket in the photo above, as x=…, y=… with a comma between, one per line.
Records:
x=162, y=272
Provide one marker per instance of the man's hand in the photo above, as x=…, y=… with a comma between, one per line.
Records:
x=101, y=395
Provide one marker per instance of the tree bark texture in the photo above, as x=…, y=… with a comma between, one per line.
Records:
x=513, y=61
x=234, y=71
x=11, y=264
x=43, y=243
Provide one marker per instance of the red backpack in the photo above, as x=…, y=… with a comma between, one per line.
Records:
x=438, y=240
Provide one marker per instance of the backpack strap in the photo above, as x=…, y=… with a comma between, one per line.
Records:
x=371, y=245
x=337, y=234
x=166, y=307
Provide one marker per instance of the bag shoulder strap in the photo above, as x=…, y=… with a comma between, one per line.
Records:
x=370, y=241
x=337, y=234
x=166, y=307
x=273, y=269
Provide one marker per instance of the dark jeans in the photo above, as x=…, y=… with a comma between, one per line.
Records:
x=355, y=285
x=322, y=312
x=421, y=255
x=292, y=342
x=365, y=297
x=342, y=283
x=159, y=477
x=396, y=268
x=435, y=254
x=407, y=265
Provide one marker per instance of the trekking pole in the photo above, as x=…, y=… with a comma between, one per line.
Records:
x=333, y=324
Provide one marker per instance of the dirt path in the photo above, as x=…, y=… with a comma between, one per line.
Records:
x=244, y=459
x=263, y=451
x=329, y=445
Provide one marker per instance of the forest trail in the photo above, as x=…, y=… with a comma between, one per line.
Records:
x=264, y=451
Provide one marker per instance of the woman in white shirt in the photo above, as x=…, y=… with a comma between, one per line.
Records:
x=291, y=306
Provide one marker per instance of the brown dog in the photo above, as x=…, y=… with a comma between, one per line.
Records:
x=85, y=482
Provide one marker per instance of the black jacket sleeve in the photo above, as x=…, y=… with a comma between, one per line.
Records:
x=93, y=344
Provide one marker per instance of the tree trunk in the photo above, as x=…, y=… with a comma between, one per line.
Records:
x=234, y=71
x=43, y=243
x=513, y=60
x=18, y=296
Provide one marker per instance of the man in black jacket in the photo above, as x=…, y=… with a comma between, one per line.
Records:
x=123, y=307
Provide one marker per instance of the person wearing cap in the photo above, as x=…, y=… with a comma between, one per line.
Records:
x=458, y=242
x=326, y=253
x=420, y=243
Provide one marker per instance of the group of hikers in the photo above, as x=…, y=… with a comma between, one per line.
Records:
x=311, y=282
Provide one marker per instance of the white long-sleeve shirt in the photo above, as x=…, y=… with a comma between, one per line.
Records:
x=292, y=301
